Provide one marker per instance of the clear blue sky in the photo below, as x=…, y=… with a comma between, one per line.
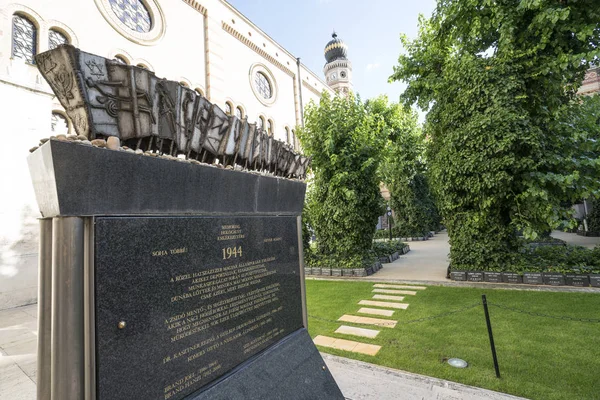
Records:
x=371, y=29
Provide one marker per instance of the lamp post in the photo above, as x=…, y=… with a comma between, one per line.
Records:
x=389, y=214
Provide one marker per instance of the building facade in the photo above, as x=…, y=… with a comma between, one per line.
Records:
x=591, y=82
x=206, y=45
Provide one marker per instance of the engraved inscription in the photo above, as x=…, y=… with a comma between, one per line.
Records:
x=197, y=305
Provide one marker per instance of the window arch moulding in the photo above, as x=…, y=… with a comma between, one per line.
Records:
x=65, y=30
x=121, y=53
x=141, y=61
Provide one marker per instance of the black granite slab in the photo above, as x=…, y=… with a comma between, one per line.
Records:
x=198, y=296
x=533, y=278
x=554, y=279
x=71, y=179
x=595, y=280
x=475, y=276
x=291, y=370
x=494, y=277
x=577, y=280
x=512, y=277
x=458, y=275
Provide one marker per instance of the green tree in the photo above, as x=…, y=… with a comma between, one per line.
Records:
x=499, y=80
x=403, y=169
x=343, y=201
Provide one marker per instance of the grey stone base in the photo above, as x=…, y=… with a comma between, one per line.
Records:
x=293, y=369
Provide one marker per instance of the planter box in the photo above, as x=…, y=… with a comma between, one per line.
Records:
x=512, y=277
x=595, y=280
x=359, y=272
x=553, y=279
x=336, y=272
x=533, y=278
x=347, y=272
x=577, y=280
x=475, y=276
x=396, y=256
x=495, y=277
x=370, y=271
x=384, y=260
x=458, y=275
x=308, y=271
x=324, y=271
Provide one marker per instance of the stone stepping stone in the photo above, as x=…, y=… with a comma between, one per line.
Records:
x=347, y=345
x=362, y=332
x=388, y=291
x=384, y=323
x=375, y=311
x=383, y=304
x=383, y=286
x=388, y=297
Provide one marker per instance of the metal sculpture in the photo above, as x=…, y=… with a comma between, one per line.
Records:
x=106, y=98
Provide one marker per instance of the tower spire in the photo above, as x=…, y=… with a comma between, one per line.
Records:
x=338, y=69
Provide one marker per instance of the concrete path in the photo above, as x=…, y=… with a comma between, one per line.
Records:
x=18, y=344
x=426, y=261
x=576, y=240
x=357, y=380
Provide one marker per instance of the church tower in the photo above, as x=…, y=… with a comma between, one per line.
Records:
x=338, y=69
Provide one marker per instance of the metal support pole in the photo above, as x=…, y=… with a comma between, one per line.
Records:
x=67, y=309
x=302, y=282
x=489, y=327
x=89, y=313
x=44, y=345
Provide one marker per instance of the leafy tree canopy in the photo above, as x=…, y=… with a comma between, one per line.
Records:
x=403, y=169
x=343, y=203
x=510, y=143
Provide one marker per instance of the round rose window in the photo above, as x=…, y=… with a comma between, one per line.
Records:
x=132, y=13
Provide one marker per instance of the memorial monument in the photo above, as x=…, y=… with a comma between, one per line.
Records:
x=170, y=250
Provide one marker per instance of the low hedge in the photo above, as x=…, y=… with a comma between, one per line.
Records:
x=383, y=249
x=380, y=249
x=560, y=259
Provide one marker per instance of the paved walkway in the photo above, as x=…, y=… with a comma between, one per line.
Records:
x=576, y=240
x=358, y=380
x=426, y=261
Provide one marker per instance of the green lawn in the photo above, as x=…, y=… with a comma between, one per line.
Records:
x=540, y=358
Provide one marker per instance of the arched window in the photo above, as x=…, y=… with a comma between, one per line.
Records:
x=228, y=108
x=55, y=39
x=24, y=38
x=260, y=123
x=59, y=124
x=270, y=127
x=120, y=59
x=294, y=140
x=239, y=112
x=287, y=135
